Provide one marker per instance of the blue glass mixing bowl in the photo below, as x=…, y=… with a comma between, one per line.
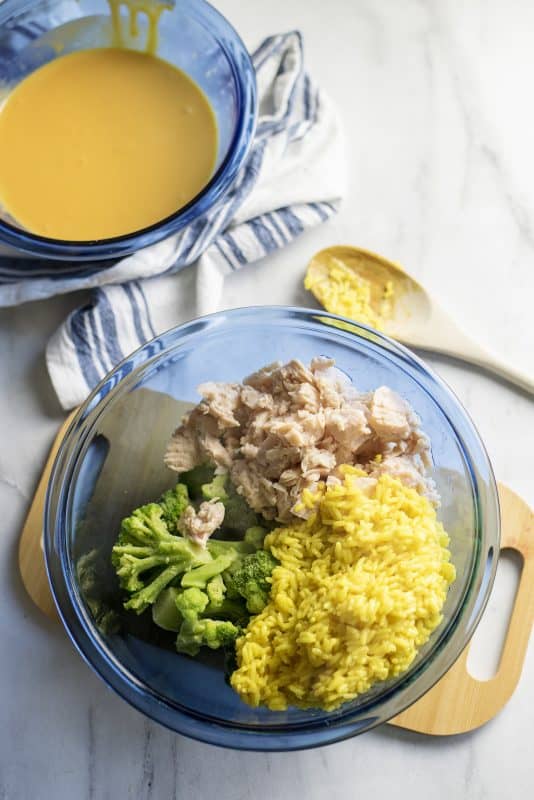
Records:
x=194, y=37
x=111, y=461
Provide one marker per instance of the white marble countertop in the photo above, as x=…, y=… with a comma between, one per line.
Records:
x=435, y=99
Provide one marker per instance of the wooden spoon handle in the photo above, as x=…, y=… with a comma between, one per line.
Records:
x=511, y=374
x=471, y=353
x=441, y=334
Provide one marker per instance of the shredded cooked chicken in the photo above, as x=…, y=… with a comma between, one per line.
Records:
x=287, y=427
x=199, y=525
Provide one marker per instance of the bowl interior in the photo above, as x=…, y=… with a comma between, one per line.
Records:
x=192, y=36
x=113, y=462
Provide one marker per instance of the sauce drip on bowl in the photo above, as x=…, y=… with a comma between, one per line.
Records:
x=151, y=9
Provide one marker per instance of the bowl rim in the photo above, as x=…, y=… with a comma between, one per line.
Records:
x=314, y=732
x=244, y=75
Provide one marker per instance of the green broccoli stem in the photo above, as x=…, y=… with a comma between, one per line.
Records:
x=165, y=612
x=140, y=601
x=220, y=547
x=216, y=489
x=195, y=478
x=232, y=610
x=132, y=550
x=172, y=546
x=201, y=575
x=143, y=564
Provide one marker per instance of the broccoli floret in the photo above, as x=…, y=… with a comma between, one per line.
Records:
x=216, y=590
x=249, y=578
x=200, y=576
x=204, y=484
x=87, y=572
x=147, y=557
x=230, y=609
x=222, y=607
x=92, y=573
x=197, y=631
x=238, y=515
x=242, y=548
x=106, y=619
x=204, y=594
x=167, y=611
x=174, y=502
x=191, y=603
x=216, y=489
x=213, y=633
x=196, y=478
x=255, y=537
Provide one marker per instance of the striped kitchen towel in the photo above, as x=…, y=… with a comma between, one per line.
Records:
x=293, y=179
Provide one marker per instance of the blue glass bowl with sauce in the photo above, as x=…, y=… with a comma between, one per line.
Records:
x=112, y=460
x=192, y=36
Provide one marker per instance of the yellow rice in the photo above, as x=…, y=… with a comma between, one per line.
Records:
x=348, y=294
x=360, y=587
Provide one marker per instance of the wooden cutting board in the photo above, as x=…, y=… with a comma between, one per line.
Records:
x=458, y=702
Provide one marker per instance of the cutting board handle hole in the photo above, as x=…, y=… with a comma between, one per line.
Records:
x=487, y=644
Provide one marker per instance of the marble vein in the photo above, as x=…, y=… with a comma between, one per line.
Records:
x=147, y=778
x=91, y=753
x=12, y=484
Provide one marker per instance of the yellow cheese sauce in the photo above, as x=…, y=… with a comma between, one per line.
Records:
x=104, y=142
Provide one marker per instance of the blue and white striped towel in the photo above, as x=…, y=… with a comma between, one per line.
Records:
x=294, y=179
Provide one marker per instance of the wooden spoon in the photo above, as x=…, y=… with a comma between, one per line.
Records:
x=416, y=318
